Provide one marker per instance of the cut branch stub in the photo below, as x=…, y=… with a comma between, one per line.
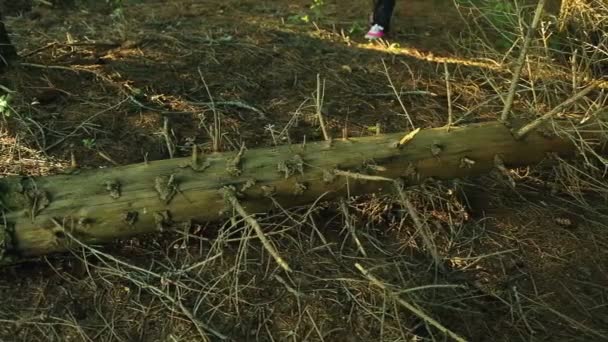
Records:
x=113, y=188
x=233, y=166
x=166, y=187
x=291, y=166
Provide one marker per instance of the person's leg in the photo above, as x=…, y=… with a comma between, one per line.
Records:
x=383, y=11
x=381, y=18
x=7, y=50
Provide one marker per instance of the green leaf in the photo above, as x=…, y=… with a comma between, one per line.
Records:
x=5, y=108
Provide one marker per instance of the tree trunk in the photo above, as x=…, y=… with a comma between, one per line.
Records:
x=97, y=206
x=7, y=50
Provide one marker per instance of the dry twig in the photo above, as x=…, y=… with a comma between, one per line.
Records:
x=415, y=310
x=390, y=81
x=519, y=65
x=539, y=121
x=230, y=196
x=319, y=98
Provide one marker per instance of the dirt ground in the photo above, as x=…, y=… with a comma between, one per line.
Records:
x=97, y=85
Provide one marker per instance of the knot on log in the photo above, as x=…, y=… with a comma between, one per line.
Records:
x=113, y=188
x=166, y=187
x=233, y=166
x=291, y=166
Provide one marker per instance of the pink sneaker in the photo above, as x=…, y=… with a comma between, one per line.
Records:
x=376, y=32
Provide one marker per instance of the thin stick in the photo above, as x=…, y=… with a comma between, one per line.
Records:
x=564, y=10
x=571, y=321
x=166, y=134
x=351, y=229
x=107, y=157
x=230, y=195
x=418, y=312
x=55, y=67
x=200, y=326
x=407, y=115
x=521, y=311
x=289, y=288
x=423, y=228
x=361, y=176
x=35, y=51
x=217, y=128
x=534, y=124
x=237, y=104
x=520, y=62
x=424, y=231
x=319, y=105
x=449, y=94
x=82, y=124
x=6, y=90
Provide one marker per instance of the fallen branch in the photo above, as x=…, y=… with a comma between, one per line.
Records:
x=101, y=205
x=230, y=196
x=539, y=121
x=521, y=61
x=415, y=310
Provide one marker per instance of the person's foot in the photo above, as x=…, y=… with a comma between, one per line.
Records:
x=375, y=32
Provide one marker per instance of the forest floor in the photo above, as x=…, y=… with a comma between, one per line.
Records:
x=97, y=85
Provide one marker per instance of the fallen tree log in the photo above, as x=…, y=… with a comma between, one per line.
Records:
x=98, y=206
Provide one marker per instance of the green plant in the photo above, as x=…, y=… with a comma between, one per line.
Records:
x=117, y=10
x=503, y=16
x=497, y=18
x=317, y=8
x=355, y=29
x=114, y=3
x=315, y=13
x=89, y=143
x=5, y=108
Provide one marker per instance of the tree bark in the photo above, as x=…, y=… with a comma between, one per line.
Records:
x=98, y=206
x=7, y=50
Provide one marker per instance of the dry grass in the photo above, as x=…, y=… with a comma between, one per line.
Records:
x=516, y=255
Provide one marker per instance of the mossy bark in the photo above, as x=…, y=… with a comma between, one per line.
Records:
x=98, y=206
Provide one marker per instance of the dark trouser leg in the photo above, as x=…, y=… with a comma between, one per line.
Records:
x=383, y=11
x=7, y=50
